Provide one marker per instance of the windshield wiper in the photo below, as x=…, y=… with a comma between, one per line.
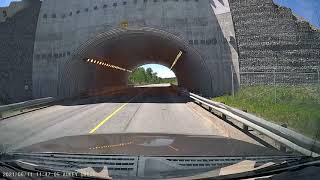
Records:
x=308, y=161
x=272, y=169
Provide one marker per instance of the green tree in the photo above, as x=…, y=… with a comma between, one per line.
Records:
x=149, y=75
x=138, y=76
x=142, y=76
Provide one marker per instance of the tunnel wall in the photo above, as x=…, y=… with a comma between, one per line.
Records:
x=18, y=24
x=270, y=38
x=64, y=25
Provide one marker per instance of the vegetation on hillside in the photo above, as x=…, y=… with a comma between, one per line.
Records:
x=141, y=76
x=296, y=106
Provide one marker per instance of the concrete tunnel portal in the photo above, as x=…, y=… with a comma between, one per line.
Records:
x=62, y=35
x=129, y=49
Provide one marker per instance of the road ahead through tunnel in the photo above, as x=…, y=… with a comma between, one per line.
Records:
x=140, y=109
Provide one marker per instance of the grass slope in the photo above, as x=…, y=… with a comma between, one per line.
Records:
x=296, y=106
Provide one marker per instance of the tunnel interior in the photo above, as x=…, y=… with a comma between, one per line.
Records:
x=129, y=49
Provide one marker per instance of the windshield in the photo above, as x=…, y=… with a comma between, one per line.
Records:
x=178, y=87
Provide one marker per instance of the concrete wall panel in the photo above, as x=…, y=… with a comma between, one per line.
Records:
x=17, y=37
x=64, y=26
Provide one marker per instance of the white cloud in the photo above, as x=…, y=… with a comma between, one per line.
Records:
x=166, y=74
x=162, y=71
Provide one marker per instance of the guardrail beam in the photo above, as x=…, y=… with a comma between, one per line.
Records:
x=287, y=139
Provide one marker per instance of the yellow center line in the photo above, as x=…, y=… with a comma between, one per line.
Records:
x=111, y=115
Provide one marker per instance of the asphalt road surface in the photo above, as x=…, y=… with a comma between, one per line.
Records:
x=152, y=110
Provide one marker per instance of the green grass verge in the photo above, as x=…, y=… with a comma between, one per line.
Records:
x=296, y=106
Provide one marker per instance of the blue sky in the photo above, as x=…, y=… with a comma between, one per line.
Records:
x=4, y=3
x=309, y=9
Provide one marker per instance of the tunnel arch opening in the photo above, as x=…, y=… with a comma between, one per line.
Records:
x=129, y=49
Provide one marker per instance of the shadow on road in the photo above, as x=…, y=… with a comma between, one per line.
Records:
x=133, y=95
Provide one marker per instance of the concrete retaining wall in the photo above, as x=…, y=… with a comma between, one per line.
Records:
x=17, y=36
x=270, y=38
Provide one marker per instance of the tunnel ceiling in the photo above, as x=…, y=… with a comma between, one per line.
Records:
x=132, y=48
x=129, y=49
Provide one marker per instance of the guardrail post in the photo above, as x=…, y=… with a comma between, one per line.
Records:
x=283, y=148
x=224, y=117
x=245, y=128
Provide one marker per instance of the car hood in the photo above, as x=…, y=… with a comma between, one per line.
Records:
x=150, y=144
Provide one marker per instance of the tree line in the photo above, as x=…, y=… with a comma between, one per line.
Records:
x=141, y=76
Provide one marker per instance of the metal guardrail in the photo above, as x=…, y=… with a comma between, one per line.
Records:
x=25, y=104
x=47, y=100
x=287, y=137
